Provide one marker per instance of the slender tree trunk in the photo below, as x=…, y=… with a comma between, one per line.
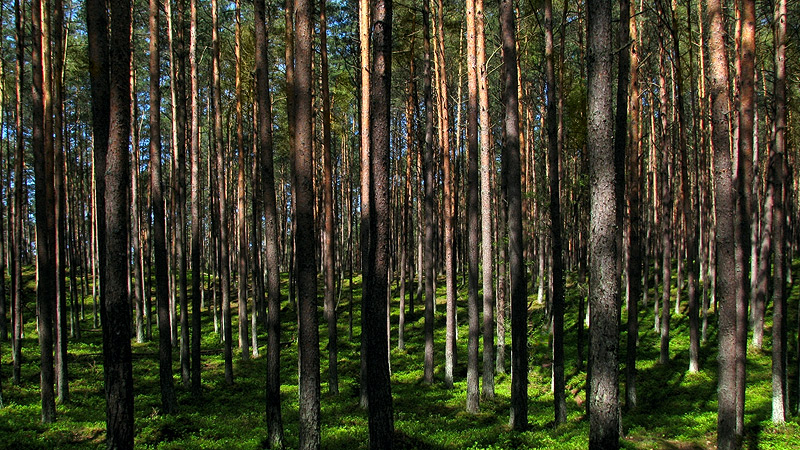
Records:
x=486, y=169
x=197, y=242
x=274, y=420
x=511, y=154
x=777, y=179
x=428, y=169
x=115, y=309
x=42, y=143
x=16, y=242
x=138, y=287
x=363, y=30
x=724, y=210
x=223, y=202
x=634, y=269
x=473, y=395
x=241, y=215
x=159, y=225
x=304, y=237
x=327, y=188
x=604, y=280
x=557, y=279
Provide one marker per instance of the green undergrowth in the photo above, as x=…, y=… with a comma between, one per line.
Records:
x=676, y=409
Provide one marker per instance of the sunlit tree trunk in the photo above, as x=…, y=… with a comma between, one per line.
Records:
x=197, y=243
x=727, y=437
x=16, y=242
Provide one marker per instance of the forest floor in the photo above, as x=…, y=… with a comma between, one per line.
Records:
x=677, y=409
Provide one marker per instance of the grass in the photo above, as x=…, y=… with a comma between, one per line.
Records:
x=677, y=409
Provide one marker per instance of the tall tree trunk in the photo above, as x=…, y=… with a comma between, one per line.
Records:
x=428, y=169
x=634, y=269
x=778, y=167
x=724, y=210
x=16, y=242
x=557, y=280
x=223, y=201
x=364, y=45
x=197, y=242
x=115, y=309
x=159, y=225
x=327, y=191
x=274, y=420
x=60, y=206
x=241, y=215
x=486, y=170
x=743, y=179
x=604, y=280
x=379, y=393
x=138, y=287
x=447, y=203
x=473, y=395
x=511, y=154
x=304, y=238
x=42, y=143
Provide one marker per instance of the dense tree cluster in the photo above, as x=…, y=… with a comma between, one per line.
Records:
x=640, y=153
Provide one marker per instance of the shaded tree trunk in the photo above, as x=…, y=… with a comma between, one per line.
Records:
x=428, y=169
x=197, y=243
x=511, y=154
x=158, y=214
x=604, y=281
x=115, y=309
x=303, y=174
x=379, y=393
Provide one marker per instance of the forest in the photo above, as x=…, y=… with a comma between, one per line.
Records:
x=427, y=224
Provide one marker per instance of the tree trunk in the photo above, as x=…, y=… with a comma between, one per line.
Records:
x=16, y=242
x=241, y=215
x=363, y=30
x=604, y=280
x=634, y=269
x=197, y=243
x=557, y=279
x=473, y=395
x=42, y=143
x=159, y=225
x=329, y=236
x=511, y=154
x=777, y=179
x=115, y=309
x=724, y=210
x=428, y=169
x=379, y=393
x=274, y=420
x=486, y=169
x=303, y=175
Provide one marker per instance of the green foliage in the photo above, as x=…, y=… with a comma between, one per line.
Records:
x=676, y=410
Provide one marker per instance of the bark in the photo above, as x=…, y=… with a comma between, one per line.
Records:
x=557, y=277
x=223, y=201
x=42, y=144
x=241, y=215
x=308, y=345
x=364, y=128
x=428, y=169
x=724, y=211
x=329, y=236
x=16, y=242
x=60, y=207
x=116, y=319
x=604, y=281
x=511, y=154
x=379, y=393
x=486, y=170
x=473, y=395
x=777, y=179
x=197, y=243
x=158, y=214
x=634, y=269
